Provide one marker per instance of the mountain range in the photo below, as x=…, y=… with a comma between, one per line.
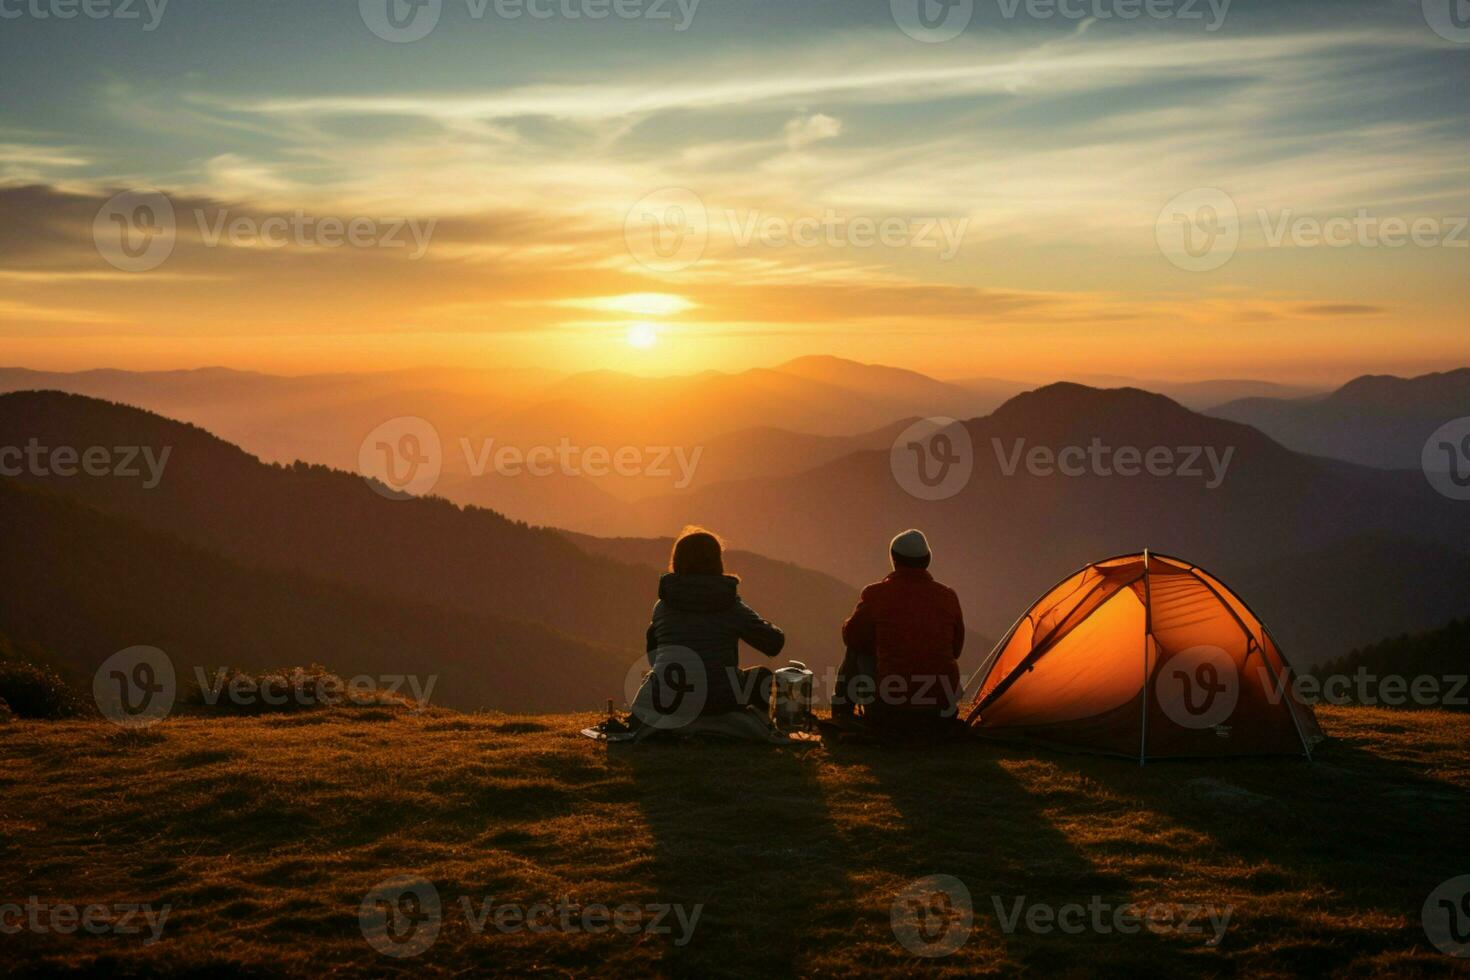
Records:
x=301, y=521
x=1332, y=554
x=1375, y=420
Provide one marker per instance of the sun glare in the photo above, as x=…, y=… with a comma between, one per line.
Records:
x=642, y=335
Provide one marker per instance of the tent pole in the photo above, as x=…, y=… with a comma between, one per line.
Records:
x=1285, y=688
x=1148, y=627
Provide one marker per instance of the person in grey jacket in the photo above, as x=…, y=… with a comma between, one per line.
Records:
x=699, y=609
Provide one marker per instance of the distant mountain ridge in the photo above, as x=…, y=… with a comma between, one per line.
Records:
x=1009, y=535
x=333, y=526
x=1442, y=655
x=107, y=583
x=1375, y=420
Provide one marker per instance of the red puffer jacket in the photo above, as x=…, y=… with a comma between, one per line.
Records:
x=913, y=628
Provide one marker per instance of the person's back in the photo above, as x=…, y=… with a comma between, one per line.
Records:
x=699, y=609
x=905, y=638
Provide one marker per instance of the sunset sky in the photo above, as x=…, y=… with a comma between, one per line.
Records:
x=1020, y=170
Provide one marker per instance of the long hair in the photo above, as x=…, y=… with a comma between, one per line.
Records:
x=697, y=552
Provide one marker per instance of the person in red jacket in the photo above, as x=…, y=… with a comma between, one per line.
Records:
x=903, y=644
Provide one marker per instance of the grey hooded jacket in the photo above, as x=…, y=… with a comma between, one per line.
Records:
x=705, y=613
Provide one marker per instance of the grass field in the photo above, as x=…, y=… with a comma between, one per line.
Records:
x=263, y=836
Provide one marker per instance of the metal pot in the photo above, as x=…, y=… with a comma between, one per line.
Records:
x=792, y=697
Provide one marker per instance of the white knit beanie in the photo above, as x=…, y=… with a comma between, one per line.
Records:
x=910, y=544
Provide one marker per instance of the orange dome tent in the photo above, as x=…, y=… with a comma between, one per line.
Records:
x=1145, y=656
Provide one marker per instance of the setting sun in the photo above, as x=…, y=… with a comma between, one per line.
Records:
x=642, y=335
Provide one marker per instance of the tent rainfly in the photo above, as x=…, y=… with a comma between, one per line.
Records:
x=1145, y=656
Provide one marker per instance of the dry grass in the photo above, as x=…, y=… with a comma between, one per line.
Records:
x=264, y=834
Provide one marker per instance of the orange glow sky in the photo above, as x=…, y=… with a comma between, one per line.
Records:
x=559, y=170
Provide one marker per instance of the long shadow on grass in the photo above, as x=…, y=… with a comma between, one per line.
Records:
x=743, y=831
x=1365, y=835
x=966, y=812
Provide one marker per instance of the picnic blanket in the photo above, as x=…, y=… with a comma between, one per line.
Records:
x=742, y=725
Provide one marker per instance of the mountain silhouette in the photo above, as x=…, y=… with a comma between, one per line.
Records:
x=332, y=525
x=1375, y=420
x=1442, y=654
x=1007, y=536
x=106, y=583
